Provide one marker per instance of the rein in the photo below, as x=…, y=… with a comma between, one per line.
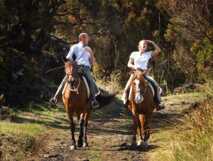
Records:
x=75, y=89
x=145, y=90
x=140, y=91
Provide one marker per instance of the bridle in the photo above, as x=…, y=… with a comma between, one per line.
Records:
x=72, y=87
x=71, y=80
x=139, y=93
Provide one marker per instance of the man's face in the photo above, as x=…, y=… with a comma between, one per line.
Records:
x=85, y=39
x=142, y=46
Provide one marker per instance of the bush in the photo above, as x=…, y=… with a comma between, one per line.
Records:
x=194, y=141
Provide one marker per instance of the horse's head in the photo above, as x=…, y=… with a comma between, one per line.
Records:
x=139, y=75
x=140, y=85
x=71, y=70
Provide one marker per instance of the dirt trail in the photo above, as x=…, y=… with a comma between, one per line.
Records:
x=110, y=133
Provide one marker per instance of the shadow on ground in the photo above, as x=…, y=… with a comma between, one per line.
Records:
x=115, y=113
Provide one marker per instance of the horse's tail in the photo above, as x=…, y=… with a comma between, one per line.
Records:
x=105, y=100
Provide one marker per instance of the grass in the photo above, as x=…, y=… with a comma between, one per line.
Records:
x=196, y=143
x=192, y=140
x=19, y=138
x=29, y=129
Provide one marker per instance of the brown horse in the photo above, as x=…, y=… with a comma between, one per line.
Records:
x=141, y=106
x=76, y=102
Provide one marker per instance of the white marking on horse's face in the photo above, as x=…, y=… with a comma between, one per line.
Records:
x=137, y=84
x=138, y=96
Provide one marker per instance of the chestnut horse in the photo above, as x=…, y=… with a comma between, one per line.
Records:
x=76, y=102
x=141, y=106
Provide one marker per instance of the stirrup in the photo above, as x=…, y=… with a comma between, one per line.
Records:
x=53, y=101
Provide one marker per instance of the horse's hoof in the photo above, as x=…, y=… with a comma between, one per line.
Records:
x=133, y=145
x=80, y=144
x=85, y=145
x=72, y=147
x=139, y=143
x=145, y=144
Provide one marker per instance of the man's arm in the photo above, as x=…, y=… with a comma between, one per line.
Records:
x=92, y=56
x=157, y=50
x=71, y=53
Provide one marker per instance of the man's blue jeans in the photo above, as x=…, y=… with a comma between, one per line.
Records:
x=93, y=87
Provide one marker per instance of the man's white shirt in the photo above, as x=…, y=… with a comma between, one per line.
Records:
x=141, y=60
x=81, y=54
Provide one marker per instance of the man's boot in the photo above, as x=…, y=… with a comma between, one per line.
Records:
x=94, y=103
x=54, y=99
x=158, y=101
x=160, y=106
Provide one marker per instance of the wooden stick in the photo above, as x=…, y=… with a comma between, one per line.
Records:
x=54, y=69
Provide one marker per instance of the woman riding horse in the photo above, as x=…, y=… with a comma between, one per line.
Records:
x=140, y=60
x=142, y=99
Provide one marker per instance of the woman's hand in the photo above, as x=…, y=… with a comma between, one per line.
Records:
x=157, y=50
x=151, y=42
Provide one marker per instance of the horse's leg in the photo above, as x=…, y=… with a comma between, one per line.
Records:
x=146, y=132
x=80, y=139
x=141, y=122
x=86, y=118
x=135, y=128
x=72, y=128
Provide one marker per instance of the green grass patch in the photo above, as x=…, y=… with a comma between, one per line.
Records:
x=18, y=140
x=20, y=129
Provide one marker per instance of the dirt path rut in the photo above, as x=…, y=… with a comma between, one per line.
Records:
x=109, y=135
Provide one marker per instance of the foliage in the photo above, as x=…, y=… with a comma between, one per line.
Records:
x=190, y=31
x=31, y=34
x=24, y=28
x=115, y=28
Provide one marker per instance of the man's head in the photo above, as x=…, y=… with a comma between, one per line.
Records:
x=142, y=46
x=84, y=38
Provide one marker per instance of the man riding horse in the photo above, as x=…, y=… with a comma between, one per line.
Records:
x=140, y=60
x=83, y=55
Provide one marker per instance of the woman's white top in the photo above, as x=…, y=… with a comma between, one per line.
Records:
x=141, y=60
